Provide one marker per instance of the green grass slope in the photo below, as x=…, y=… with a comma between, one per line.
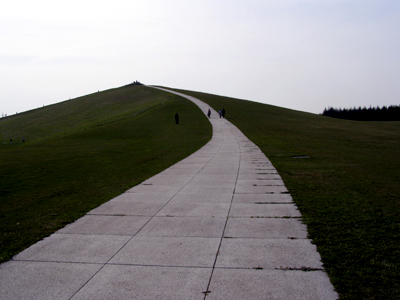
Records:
x=80, y=153
x=79, y=114
x=348, y=191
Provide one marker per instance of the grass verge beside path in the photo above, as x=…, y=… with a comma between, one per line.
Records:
x=50, y=181
x=348, y=191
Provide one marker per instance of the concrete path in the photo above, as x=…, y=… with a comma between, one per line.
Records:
x=220, y=224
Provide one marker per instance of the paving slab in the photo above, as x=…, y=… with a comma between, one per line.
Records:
x=196, y=189
x=185, y=226
x=268, y=253
x=222, y=158
x=202, y=198
x=169, y=251
x=264, y=210
x=270, y=284
x=220, y=170
x=74, y=248
x=262, y=198
x=129, y=208
x=43, y=280
x=146, y=283
x=193, y=209
x=106, y=225
x=265, y=228
x=214, y=179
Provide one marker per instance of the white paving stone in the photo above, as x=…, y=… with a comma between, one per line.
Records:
x=169, y=251
x=262, y=198
x=146, y=283
x=251, y=253
x=43, y=280
x=129, y=208
x=265, y=228
x=202, y=198
x=270, y=284
x=74, y=248
x=185, y=227
x=264, y=210
x=106, y=225
x=195, y=209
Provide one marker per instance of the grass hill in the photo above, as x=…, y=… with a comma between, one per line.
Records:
x=80, y=113
x=343, y=175
x=82, y=152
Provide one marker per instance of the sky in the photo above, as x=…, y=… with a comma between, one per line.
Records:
x=305, y=55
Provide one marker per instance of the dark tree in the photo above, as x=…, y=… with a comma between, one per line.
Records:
x=391, y=113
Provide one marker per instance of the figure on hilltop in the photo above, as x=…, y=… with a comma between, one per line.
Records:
x=176, y=118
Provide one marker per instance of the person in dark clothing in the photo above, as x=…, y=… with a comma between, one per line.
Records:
x=209, y=113
x=223, y=113
x=176, y=118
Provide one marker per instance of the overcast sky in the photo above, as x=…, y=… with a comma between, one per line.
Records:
x=300, y=54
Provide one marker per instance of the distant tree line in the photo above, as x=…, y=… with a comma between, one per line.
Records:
x=391, y=113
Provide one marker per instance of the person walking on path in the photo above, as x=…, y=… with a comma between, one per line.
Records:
x=223, y=113
x=220, y=113
x=209, y=113
x=176, y=118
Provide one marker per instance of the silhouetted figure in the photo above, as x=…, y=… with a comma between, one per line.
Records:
x=10, y=141
x=176, y=118
x=23, y=139
x=209, y=113
x=223, y=113
x=220, y=113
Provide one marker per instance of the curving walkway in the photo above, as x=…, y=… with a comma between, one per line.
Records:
x=219, y=224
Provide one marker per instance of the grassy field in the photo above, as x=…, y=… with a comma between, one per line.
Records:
x=348, y=191
x=80, y=153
